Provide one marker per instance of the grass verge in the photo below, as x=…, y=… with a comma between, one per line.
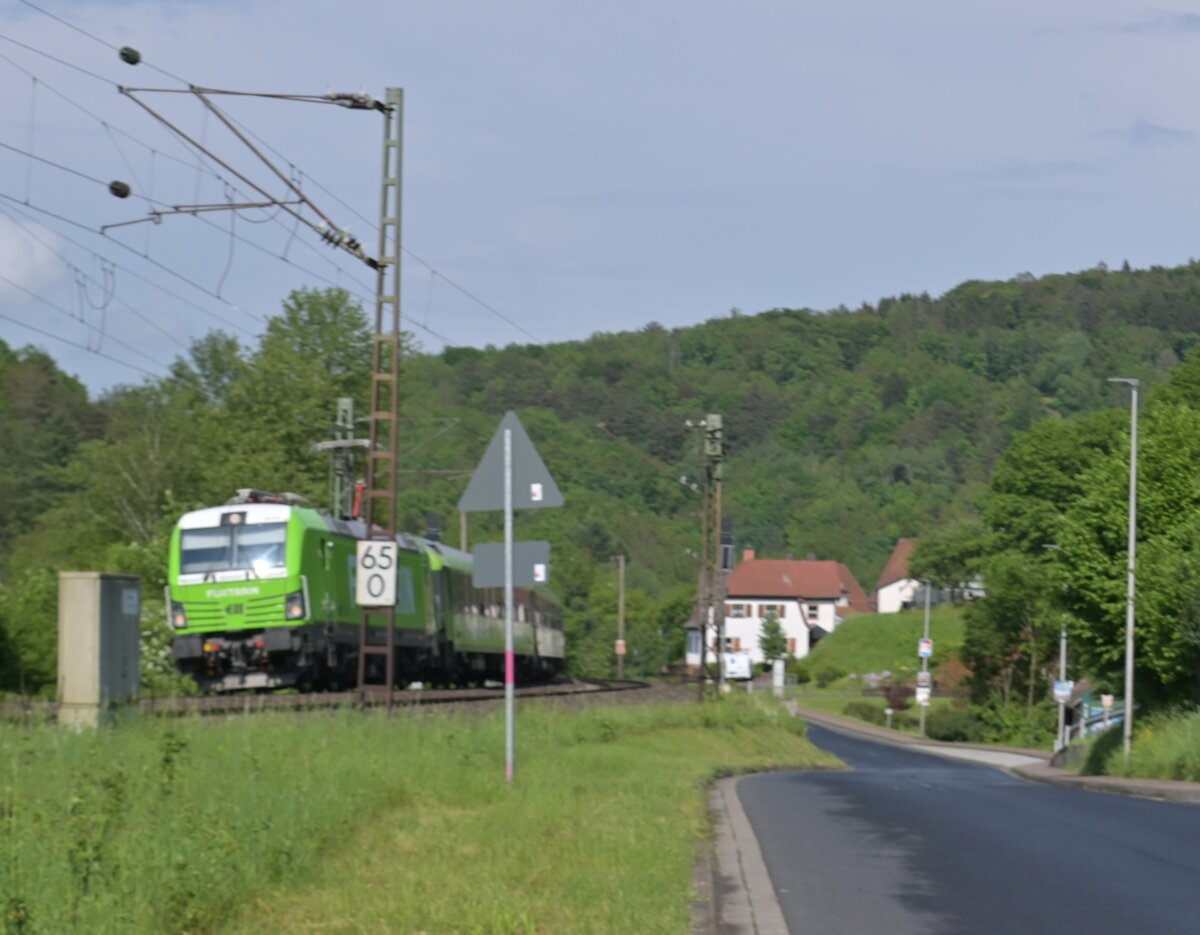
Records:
x=1165, y=746
x=351, y=823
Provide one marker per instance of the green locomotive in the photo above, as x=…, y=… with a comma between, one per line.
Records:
x=261, y=596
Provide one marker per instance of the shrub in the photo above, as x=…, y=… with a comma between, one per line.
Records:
x=956, y=724
x=827, y=672
x=898, y=697
x=865, y=711
x=799, y=669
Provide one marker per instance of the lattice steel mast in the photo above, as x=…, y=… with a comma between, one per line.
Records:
x=381, y=489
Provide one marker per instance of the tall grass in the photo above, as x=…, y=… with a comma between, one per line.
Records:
x=1165, y=746
x=159, y=826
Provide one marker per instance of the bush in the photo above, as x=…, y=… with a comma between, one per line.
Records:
x=954, y=724
x=865, y=711
x=872, y=714
x=827, y=672
x=799, y=669
x=899, y=697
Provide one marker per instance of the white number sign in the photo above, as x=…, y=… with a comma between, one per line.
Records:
x=376, y=580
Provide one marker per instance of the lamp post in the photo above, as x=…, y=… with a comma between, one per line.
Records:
x=1133, y=413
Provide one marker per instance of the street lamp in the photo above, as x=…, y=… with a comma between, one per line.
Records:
x=1133, y=411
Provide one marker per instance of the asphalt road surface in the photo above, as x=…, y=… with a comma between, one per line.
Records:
x=906, y=843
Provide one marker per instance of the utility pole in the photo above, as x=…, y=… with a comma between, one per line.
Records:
x=620, y=616
x=383, y=455
x=925, y=659
x=1062, y=677
x=710, y=553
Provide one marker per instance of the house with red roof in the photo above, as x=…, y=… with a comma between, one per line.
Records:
x=809, y=598
x=896, y=590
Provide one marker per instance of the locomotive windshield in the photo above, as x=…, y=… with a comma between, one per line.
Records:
x=255, y=548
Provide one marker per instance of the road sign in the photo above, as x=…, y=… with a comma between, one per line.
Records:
x=532, y=485
x=511, y=476
x=924, y=680
x=1106, y=702
x=923, y=695
x=924, y=649
x=375, y=580
x=620, y=647
x=531, y=564
x=1062, y=690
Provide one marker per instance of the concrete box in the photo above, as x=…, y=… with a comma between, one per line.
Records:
x=99, y=644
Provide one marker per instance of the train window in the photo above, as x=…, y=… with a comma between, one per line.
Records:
x=252, y=548
x=405, y=600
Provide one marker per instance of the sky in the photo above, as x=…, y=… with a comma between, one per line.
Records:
x=574, y=168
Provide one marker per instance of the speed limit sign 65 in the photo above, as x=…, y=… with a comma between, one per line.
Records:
x=376, y=579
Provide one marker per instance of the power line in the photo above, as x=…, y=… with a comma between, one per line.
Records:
x=146, y=318
x=55, y=337
x=153, y=262
x=95, y=38
x=324, y=279
x=56, y=165
x=59, y=308
x=107, y=125
x=230, y=121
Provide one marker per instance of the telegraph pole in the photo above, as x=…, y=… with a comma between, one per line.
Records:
x=710, y=552
x=620, y=616
x=383, y=455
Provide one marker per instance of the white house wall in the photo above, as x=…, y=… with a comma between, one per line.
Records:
x=891, y=598
x=743, y=632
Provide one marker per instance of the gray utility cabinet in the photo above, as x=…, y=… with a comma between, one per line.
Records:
x=99, y=644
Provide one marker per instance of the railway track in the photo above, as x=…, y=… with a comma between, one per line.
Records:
x=34, y=711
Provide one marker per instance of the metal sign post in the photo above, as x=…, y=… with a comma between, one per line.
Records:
x=511, y=475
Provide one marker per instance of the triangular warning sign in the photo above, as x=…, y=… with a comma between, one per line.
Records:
x=532, y=485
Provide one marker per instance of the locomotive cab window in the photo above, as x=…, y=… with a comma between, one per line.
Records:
x=233, y=548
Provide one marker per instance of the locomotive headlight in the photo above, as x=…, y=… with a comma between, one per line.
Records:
x=294, y=607
x=178, y=615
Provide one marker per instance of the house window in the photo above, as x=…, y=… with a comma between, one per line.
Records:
x=810, y=612
x=737, y=610
x=693, y=642
x=764, y=610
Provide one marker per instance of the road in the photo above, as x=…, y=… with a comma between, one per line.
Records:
x=906, y=843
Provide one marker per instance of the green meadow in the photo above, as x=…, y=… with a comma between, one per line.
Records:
x=346, y=822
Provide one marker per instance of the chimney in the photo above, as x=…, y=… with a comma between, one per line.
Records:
x=747, y=555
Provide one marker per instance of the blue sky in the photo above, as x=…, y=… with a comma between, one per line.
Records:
x=592, y=167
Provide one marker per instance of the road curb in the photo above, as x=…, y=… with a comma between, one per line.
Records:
x=743, y=896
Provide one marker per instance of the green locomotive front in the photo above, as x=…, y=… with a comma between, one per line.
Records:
x=261, y=596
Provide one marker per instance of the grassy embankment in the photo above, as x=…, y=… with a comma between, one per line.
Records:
x=877, y=643
x=346, y=822
x=1165, y=746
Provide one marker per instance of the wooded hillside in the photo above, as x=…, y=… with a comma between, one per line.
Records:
x=846, y=430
